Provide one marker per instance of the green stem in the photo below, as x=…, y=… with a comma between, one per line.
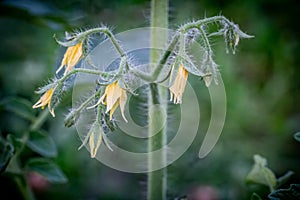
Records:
x=151, y=77
x=205, y=41
x=24, y=188
x=86, y=71
x=112, y=74
x=39, y=121
x=33, y=127
x=86, y=102
x=20, y=178
x=156, y=71
x=157, y=180
x=83, y=35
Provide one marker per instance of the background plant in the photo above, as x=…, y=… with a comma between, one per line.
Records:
x=262, y=175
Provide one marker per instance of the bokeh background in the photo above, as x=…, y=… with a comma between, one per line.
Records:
x=262, y=84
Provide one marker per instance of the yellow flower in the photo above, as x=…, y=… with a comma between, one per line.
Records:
x=71, y=57
x=113, y=97
x=95, y=140
x=44, y=100
x=177, y=89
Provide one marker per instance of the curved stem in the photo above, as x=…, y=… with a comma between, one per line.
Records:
x=86, y=102
x=83, y=35
x=205, y=41
x=151, y=77
x=82, y=70
x=20, y=178
x=39, y=121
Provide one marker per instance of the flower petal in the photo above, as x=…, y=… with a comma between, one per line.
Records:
x=177, y=89
x=114, y=92
x=123, y=100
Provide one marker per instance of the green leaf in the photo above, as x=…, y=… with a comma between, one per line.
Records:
x=46, y=168
x=41, y=143
x=14, y=165
x=292, y=193
x=255, y=197
x=16, y=142
x=283, y=179
x=297, y=136
x=261, y=174
x=6, y=153
x=19, y=106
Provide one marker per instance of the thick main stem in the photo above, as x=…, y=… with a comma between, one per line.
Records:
x=157, y=99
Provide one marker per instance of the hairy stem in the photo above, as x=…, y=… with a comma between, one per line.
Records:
x=86, y=71
x=157, y=97
x=151, y=77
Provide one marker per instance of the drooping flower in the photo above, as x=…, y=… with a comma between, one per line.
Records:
x=45, y=100
x=95, y=140
x=113, y=97
x=177, y=89
x=71, y=58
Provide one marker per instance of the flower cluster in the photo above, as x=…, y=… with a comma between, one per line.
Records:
x=114, y=85
x=71, y=57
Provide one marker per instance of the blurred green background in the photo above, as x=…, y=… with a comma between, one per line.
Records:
x=262, y=84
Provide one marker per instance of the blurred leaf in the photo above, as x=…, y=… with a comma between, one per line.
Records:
x=261, y=174
x=292, y=193
x=21, y=107
x=6, y=153
x=41, y=143
x=34, y=12
x=283, y=179
x=14, y=165
x=255, y=197
x=297, y=136
x=16, y=142
x=46, y=168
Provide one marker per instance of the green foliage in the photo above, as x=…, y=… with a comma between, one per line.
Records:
x=261, y=174
x=41, y=143
x=297, y=136
x=292, y=193
x=18, y=106
x=13, y=158
x=255, y=197
x=283, y=179
x=6, y=152
x=46, y=168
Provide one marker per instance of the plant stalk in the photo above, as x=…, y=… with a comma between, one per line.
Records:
x=24, y=188
x=157, y=180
